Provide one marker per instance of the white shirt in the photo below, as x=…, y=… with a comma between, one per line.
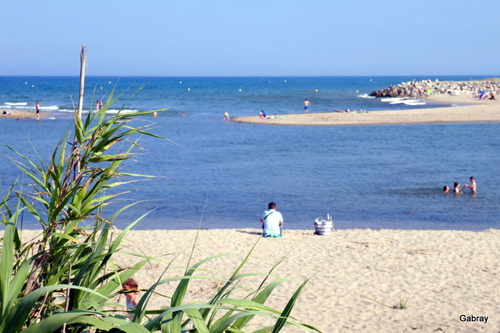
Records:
x=272, y=222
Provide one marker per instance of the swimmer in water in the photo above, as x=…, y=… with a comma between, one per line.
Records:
x=472, y=186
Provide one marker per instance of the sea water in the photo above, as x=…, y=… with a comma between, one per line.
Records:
x=216, y=174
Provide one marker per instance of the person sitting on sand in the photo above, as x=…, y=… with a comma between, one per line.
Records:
x=472, y=186
x=131, y=289
x=446, y=189
x=456, y=188
x=262, y=115
x=272, y=222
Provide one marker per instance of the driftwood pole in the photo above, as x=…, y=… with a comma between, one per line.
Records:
x=82, y=81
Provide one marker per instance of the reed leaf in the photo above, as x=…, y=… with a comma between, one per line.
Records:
x=56, y=321
x=283, y=319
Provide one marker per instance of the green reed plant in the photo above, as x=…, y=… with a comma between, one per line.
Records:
x=403, y=302
x=400, y=305
x=65, y=280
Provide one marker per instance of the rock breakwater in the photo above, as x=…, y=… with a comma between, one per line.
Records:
x=425, y=87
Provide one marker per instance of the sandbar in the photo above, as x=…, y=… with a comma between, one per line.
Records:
x=359, y=278
x=469, y=110
x=21, y=114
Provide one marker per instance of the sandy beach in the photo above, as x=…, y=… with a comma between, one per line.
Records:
x=470, y=110
x=21, y=114
x=359, y=277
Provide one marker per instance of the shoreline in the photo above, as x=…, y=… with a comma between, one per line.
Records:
x=470, y=111
x=359, y=277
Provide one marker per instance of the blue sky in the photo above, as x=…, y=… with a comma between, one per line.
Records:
x=256, y=38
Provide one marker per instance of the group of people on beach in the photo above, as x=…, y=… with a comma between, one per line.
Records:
x=457, y=189
x=262, y=114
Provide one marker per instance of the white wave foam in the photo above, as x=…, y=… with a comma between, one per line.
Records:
x=7, y=103
x=122, y=111
x=52, y=107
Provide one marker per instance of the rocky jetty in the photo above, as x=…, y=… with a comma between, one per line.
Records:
x=421, y=88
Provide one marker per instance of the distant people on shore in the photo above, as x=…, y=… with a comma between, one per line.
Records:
x=262, y=115
x=226, y=116
x=306, y=105
x=98, y=105
x=37, y=108
x=486, y=95
x=350, y=111
x=472, y=186
x=272, y=222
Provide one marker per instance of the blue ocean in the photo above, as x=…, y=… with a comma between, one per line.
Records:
x=218, y=174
